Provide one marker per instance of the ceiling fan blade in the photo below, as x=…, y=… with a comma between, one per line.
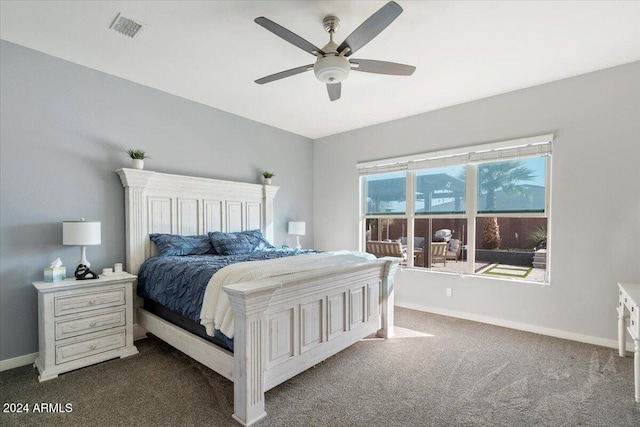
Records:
x=289, y=36
x=334, y=89
x=371, y=27
x=381, y=67
x=283, y=74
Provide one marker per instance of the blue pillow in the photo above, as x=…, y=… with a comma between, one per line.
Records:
x=231, y=243
x=174, y=244
x=258, y=240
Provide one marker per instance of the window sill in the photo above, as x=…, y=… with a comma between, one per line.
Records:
x=474, y=275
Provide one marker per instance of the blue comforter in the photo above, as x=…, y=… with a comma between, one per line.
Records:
x=179, y=282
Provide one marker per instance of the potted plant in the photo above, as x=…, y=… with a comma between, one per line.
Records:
x=539, y=238
x=267, y=177
x=137, y=158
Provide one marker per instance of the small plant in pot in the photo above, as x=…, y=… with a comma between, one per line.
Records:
x=137, y=158
x=267, y=177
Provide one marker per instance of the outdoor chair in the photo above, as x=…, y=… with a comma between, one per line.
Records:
x=382, y=249
x=453, y=251
x=439, y=252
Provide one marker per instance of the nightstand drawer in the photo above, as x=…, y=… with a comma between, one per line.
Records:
x=78, y=350
x=79, y=326
x=88, y=301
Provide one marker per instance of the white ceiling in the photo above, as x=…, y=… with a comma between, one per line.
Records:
x=212, y=51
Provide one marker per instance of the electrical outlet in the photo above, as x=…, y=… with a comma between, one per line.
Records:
x=449, y=292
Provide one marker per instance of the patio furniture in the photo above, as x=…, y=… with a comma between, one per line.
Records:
x=418, y=242
x=418, y=258
x=439, y=252
x=381, y=249
x=453, y=250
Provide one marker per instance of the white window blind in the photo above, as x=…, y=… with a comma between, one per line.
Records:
x=503, y=150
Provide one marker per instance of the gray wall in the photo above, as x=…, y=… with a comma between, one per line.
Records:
x=595, y=204
x=64, y=131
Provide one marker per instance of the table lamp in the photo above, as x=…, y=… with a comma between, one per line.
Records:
x=297, y=229
x=82, y=233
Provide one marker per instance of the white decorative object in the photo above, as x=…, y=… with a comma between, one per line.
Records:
x=83, y=323
x=283, y=325
x=137, y=158
x=297, y=228
x=81, y=233
x=55, y=272
x=107, y=271
x=117, y=267
x=629, y=302
x=267, y=177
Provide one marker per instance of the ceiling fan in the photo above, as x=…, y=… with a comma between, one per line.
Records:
x=333, y=62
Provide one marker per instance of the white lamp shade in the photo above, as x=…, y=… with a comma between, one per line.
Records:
x=297, y=228
x=81, y=233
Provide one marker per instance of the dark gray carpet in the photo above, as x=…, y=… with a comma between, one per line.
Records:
x=439, y=371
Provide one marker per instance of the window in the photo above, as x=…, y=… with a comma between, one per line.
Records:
x=385, y=194
x=480, y=210
x=512, y=186
x=440, y=190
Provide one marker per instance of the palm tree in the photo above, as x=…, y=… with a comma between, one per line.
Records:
x=505, y=176
x=508, y=177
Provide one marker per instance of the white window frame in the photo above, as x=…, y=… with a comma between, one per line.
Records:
x=470, y=156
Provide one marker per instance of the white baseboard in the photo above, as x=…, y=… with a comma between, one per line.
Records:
x=556, y=333
x=17, y=362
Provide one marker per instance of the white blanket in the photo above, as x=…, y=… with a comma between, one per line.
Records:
x=216, y=312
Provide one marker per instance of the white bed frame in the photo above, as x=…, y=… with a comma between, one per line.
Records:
x=283, y=325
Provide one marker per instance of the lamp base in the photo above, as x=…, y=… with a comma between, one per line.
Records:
x=83, y=273
x=298, y=243
x=83, y=257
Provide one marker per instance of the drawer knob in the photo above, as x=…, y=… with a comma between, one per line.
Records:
x=92, y=301
x=92, y=324
x=93, y=347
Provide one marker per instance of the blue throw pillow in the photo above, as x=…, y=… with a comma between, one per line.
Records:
x=174, y=244
x=231, y=243
x=258, y=240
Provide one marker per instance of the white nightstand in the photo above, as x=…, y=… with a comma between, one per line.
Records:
x=82, y=322
x=629, y=302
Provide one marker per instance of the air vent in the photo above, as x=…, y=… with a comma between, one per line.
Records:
x=127, y=26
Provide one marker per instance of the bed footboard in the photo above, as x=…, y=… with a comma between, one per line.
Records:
x=286, y=325
x=282, y=326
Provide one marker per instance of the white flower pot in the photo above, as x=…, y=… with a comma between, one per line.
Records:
x=137, y=163
x=267, y=181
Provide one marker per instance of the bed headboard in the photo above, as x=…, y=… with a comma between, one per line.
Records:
x=176, y=204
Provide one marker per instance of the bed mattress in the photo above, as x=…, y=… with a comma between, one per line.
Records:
x=178, y=283
x=187, y=324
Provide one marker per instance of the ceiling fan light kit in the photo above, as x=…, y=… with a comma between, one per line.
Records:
x=332, y=69
x=332, y=64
